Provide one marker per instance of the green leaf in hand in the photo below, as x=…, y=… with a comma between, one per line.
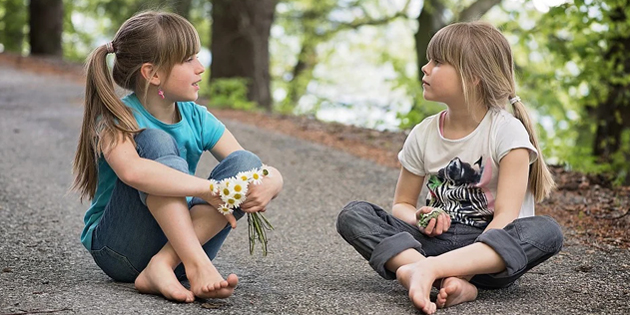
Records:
x=426, y=217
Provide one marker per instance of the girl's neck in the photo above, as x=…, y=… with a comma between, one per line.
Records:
x=163, y=109
x=461, y=121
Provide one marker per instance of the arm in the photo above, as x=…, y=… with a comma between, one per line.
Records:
x=512, y=186
x=152, y=177
x=408, y=188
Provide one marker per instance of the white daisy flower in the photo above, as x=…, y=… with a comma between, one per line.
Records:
x=239, y=197
x=224, y=188
x=214, y=186
x=233, y=202
x=224, y=209
x=243, y=176
x=257, y=176
x=239, y=187
x=265, y=170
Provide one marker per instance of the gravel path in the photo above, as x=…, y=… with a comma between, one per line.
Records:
x=310, y=269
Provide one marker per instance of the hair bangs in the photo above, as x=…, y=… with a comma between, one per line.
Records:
x=179, y=40
x=447, y=45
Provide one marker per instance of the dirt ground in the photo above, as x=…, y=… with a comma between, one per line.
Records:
x=588, y=207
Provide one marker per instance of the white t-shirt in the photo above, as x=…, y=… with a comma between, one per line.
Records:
x=461, y=175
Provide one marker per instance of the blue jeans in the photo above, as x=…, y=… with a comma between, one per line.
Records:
x=127, y=236
x=379, y=236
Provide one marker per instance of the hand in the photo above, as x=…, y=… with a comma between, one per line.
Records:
x=258, y=196
x=436, y=226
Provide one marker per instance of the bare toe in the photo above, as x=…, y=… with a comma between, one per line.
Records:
x=456, y=291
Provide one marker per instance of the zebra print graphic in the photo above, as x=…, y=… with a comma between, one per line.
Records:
x=458, y=195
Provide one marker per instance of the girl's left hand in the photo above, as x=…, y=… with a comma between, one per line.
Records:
x=258, y=196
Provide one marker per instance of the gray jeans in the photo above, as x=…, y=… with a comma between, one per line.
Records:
x=379, y=236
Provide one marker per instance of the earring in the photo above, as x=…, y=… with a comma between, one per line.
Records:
x=161, y=93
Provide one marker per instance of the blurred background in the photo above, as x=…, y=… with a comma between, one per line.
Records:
x=357, y=61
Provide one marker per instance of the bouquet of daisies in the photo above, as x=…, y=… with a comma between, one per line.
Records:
x=233, y=191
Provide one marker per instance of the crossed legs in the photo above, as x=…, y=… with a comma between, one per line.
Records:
x=186, y=230
x=494, y=259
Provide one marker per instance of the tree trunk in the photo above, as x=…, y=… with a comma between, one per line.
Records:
x=302, y=72
x=46, y=26
x=613, y=115
x=430, y=20
x=240, y=44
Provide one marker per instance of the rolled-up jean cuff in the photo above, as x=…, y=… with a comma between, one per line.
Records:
x=172, y=161
x=508, y=248
x=390, y=247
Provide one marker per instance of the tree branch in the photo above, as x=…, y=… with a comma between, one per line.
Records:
x=477, y=10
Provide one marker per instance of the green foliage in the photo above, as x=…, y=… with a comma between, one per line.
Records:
x=90, y=23
x=568, y=66
x=13, y=25
x=317, y=25
x=228, y=93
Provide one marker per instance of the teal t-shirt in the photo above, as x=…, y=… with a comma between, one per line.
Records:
x=196, y=132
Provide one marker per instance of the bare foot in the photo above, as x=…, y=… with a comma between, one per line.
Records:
x=158, y=278
x=418, y=279
x=455, y=291
x=207, y=283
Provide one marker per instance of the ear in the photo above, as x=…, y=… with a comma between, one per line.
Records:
x=476, y=81
x=149, y=74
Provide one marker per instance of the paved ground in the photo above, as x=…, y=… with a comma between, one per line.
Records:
x=310, y=270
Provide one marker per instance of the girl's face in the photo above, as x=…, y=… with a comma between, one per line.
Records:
x=183, y=82
x=441, y=83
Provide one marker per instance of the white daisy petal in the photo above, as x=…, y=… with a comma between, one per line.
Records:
x=224, y=209
x=214, y=186
x=243, y=176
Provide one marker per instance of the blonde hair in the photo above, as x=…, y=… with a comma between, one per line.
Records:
x=159, y=38
x=483, y=58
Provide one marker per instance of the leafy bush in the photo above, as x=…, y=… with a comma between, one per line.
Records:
x=228, y=93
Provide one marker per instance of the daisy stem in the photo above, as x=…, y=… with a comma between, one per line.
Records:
x=257, y=229
x=252, y=233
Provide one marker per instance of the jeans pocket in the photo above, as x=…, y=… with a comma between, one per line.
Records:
x=115, y=265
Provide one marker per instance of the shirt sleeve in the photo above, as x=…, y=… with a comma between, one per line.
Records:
x=511, y=135
x=410, y=156
x=212, y=129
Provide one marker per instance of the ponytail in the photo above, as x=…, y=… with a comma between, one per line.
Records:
x=104, y=117
x=540, y=180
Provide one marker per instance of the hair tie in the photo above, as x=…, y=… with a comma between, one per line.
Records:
x=514, y=100
x=110, y=47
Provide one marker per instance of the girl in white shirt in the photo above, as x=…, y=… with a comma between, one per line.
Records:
x=475, y=161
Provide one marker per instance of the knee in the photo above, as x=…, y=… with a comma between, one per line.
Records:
x=155, y=143
x=548, y=233
x=352, y=216
x=243, y=160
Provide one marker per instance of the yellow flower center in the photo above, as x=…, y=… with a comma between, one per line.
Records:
x=226, y=191
x=238, y=188
x=237, y=196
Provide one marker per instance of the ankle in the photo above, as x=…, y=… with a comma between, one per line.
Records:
x=432, y=266
x=195, y=266
x=159, y=259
